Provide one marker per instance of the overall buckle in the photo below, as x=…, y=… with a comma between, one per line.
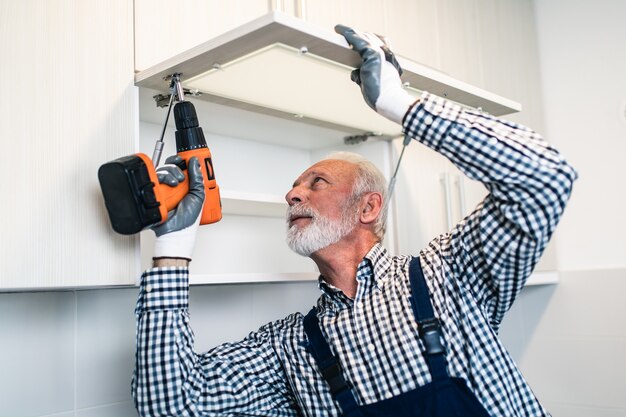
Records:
x=430, y=333
x=333, y=376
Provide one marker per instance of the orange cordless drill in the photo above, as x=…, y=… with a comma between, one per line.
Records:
x=132, y=194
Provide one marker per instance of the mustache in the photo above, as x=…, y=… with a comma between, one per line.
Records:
x=300, y=211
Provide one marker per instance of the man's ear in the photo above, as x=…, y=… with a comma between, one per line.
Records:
x=371, y=206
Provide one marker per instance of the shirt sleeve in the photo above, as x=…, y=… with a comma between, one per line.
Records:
x=494, y=250
x=170, y=379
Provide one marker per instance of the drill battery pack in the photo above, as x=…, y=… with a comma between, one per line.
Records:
x=130, y=195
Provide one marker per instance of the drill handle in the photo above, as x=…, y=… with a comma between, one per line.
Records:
x=171, y=196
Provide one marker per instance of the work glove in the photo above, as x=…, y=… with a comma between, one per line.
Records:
x=378, y=75
x=176, y=237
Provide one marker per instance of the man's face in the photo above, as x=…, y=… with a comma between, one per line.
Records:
x=321, y=210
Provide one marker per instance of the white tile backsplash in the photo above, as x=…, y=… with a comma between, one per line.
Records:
x=226, y=313
x=50, y=338
x=587, y=372
x=583, y=304
x=66, y=414
x=104, y=342
x=219, y=313
x=568, y=410
x=271, y=302
x=572, y=347
x=512, y=329
x=36, y=353
x=124, y=409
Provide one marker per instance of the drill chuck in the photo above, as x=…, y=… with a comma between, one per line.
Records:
x=189, y=134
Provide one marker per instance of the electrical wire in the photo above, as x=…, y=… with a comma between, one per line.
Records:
x=392, y=181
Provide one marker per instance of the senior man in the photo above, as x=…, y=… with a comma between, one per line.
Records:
x=390, y=335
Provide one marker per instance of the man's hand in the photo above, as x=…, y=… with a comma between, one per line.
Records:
x=176, y=237
x=379, y=75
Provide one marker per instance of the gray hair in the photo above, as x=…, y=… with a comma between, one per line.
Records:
x=368, y=179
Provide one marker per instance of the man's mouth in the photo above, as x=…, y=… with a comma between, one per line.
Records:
x=298, y=219
x=299, y=215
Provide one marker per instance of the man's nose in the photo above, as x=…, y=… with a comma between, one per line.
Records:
x=294, y=196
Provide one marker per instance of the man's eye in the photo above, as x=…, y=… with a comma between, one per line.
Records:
x=317, y=179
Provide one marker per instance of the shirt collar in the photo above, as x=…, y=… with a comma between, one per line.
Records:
x=372, y=273
x=381, y=262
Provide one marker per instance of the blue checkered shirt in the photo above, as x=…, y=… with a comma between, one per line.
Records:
x=473, y=273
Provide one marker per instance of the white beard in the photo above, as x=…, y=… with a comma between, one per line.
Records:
x=320, y=232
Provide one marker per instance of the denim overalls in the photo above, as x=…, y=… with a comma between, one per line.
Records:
x=445, y=396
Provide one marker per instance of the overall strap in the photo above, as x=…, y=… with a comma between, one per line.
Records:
x=328, y=365
x=429, y=326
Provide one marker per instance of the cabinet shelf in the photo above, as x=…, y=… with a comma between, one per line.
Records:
x=251, y=278
x=253, y=204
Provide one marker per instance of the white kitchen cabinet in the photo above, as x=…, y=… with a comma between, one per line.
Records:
x=443, y=34
x=360, y=14
x=431, y=196
x=67, y=105
x=459, y=40
x=253, y=210
x=509, y=57
x=487, y=43
x=70, y=98
x=419, y=200
x=164, y=29
x=410, y=25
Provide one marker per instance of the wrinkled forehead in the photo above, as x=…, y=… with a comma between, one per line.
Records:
x=337, y=171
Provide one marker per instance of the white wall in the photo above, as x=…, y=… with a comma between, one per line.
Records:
x=570, y=339
x=71, y=353
x=583, y=63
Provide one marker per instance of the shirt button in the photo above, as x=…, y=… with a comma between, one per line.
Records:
x=493, y=141
x=371, y=347
x=148, y=288
x=428, y=121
